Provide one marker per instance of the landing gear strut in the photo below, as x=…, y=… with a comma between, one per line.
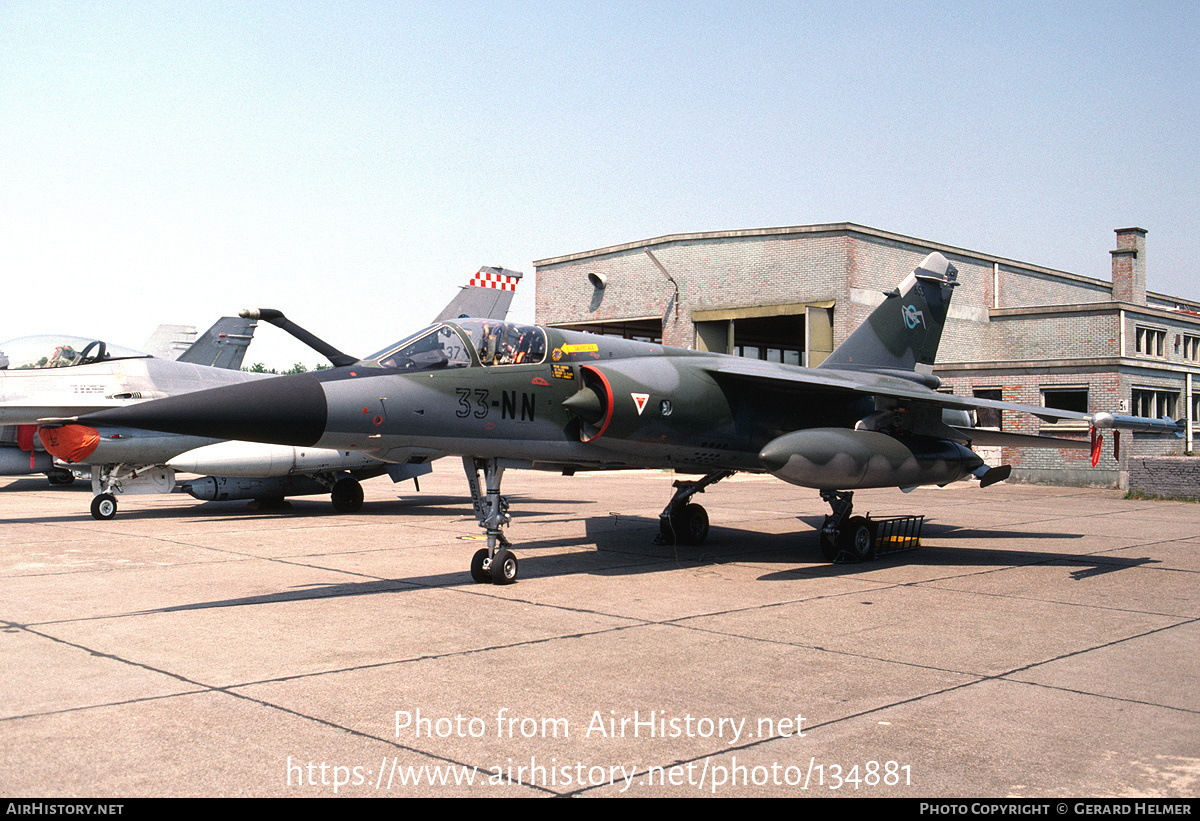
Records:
x=106, y=483
x=494, y=563
x=681, y=522
x=861, y=538
x=109, y=481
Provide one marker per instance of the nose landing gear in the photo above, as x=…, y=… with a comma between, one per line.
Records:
x=495, y=563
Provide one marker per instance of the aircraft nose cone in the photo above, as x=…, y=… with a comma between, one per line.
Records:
x=585, y=404
x=283, y=410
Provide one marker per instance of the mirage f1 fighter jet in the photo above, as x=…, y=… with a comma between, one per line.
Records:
x=500, y=394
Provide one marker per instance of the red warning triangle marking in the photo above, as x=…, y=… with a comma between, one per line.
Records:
x=640, y=399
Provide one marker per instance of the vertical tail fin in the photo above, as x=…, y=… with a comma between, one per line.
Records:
x=487, y=296
x=904, y=331
x=169, y=341
x=223, y=345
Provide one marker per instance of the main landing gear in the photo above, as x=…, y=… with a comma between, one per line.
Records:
x=494, y=563
x=682, y=522
x=842, y=533
x=60, y=476
x=108, y=481
x=860, y=539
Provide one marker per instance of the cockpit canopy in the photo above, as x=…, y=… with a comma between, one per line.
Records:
x=464, y=343
x=54, y=351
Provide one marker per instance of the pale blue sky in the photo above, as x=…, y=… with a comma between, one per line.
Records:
x=352, y=163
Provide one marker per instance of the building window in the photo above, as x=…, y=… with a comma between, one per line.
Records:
x=1155, y=404
x=786, y=356
x=1191, y=348
x=1151, y=341
x=1068, y=399
x=989, y=417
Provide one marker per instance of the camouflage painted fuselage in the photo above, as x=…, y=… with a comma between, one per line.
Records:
x=650, y=406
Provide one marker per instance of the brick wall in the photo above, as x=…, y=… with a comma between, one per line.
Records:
x=1176, y=477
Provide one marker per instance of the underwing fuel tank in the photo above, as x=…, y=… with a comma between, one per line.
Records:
x=844, y=459
x=251, y=460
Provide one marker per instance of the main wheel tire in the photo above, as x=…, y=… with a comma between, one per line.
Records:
x=665, y=532
x=478, y=572
x=60, y=476
x=504, y=567
x=829, y=546
x=690, y=524
x=104, y=506
x=347, y=495
x=858, y=537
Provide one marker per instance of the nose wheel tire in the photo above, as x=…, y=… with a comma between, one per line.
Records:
x=500, y=569
x=479, y=571
x=104, y=506
x=504, y=567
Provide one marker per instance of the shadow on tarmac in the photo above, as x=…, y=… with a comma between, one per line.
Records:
x=630, y=549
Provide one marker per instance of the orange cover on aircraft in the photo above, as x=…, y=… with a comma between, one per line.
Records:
x=70, y=443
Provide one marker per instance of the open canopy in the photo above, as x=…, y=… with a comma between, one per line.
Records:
x=58, y=351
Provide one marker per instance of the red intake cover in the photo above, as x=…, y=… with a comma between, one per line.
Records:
x=70, y=443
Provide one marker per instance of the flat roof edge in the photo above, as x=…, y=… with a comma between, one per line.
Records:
x=820, y=228
x=847, y=228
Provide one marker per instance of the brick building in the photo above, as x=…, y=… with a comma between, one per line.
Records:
x=1016, y=331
